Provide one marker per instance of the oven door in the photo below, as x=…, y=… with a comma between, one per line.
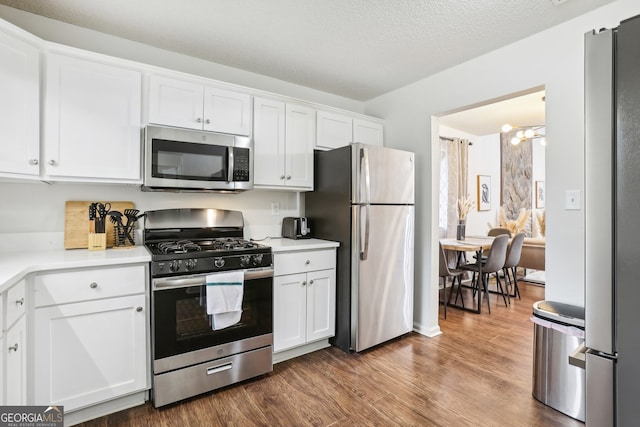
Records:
x=182, y=332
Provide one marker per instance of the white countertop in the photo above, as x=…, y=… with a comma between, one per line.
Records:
x=15, y=265
x=286, y=245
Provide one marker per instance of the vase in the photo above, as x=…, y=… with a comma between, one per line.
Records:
x=460, y=230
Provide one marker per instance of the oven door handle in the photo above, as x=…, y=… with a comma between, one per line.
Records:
x=201, y=280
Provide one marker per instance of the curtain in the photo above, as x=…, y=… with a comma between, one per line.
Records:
x=454, y=171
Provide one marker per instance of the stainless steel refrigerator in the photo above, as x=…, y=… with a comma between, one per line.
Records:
x=364, y=199
x=612, y=209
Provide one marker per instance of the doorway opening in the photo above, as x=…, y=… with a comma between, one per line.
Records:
x=504, y=174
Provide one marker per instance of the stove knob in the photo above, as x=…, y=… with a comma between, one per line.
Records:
x=218, y=262
x=190, y=264
x=173, y=266
x=244, y=260
x=257, y=259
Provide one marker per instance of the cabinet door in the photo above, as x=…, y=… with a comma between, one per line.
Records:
x=321, y=304
x=90, y=352
x=175, y=102
x=367, y=132
x=300, y=135
x=334, y=130
x=19, y=106
x=227, y=112
x=16, y=363
x=268, y=142
x=92, y=120
x=289, y=311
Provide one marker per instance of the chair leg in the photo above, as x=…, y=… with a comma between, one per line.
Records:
x=458, y=292
x=500, y=288
x=516, y=289
x=485, y=282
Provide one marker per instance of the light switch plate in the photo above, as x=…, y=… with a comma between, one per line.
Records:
x=572, y=200
x=275, y=208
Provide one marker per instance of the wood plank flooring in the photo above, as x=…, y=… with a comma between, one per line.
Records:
x=477, y=373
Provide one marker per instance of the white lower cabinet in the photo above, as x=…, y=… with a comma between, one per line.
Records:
x=15, y=356
x=303, y=302
x=90, y=336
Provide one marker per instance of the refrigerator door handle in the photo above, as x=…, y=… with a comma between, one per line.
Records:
x=364, y=254
x=364, y=157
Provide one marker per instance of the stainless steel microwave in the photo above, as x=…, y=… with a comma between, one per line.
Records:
x=190, y=160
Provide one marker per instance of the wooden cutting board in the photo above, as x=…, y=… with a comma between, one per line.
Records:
x=77, y=225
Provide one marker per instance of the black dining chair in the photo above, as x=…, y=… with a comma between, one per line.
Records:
x=446, y=272
x=511, y=264
x=492, y=264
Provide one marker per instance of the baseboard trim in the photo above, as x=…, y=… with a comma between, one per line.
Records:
x=431, y=332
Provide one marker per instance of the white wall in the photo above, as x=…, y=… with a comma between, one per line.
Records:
x=411, y=123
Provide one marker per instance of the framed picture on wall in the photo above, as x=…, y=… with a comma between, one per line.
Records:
x=484, y=193
x=539, y=194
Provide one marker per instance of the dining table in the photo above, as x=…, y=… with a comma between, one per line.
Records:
x=475, y=244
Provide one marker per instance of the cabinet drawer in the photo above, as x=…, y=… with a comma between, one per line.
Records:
x=303, y=261
x=15, y=303
x=73, y=286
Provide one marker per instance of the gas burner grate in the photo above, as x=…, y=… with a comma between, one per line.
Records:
x=179, y=247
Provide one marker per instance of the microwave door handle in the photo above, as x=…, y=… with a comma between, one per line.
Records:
x=231, y=165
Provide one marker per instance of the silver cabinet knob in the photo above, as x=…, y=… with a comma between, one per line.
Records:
x=207, y=121
x=13, y=347
x=288, y=176
x=20, y=301
x=52, y=162
x=281, y=176
x=304, y=283
x=93, y=285
x=138, y=309
x=310, y=282
x=199, y=120
x=33, y=161
x=307, y=262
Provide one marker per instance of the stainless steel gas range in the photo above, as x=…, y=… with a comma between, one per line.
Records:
x=191, y=355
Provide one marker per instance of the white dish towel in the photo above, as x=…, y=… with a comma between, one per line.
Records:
x=224, y=298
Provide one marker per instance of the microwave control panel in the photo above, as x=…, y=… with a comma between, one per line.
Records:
x=240, y=164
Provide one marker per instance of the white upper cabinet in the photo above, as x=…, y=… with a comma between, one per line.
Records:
x=186, y=104
x=337, y=130
x=19, y=107
x=368, y=132
x=283, y=145
x=334, y=130
x=92, y=120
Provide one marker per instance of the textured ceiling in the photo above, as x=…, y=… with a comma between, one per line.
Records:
x=354, y=48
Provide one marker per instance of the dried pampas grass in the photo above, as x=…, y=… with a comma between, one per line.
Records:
x=464, y=206
x=542, y=222
x=516, y=226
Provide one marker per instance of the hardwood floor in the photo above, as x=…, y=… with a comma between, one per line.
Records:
x=477, y=373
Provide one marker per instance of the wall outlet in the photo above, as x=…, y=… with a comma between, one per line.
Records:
x=275, y=208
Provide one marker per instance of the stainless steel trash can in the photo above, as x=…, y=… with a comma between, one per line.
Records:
x=558, y=368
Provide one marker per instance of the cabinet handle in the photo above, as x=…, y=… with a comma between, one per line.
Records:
x=198, y=120
x=138, y=309
x=14, y=347
x=33, y=161
x=20, y=301
x=281, y=176
x=93, y=285
x=307, y=262
x=289, y=177
x=207, y=121
x=52, y=162
x=310, y=282
x=304, y=283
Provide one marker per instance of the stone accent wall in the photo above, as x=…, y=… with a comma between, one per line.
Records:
x=516, y=177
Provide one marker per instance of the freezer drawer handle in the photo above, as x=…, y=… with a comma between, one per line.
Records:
x=221, y=368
